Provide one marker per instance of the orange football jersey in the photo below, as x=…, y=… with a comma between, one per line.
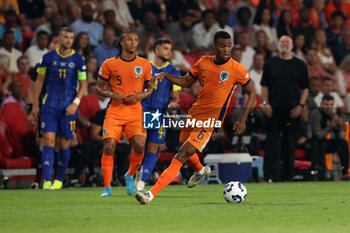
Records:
x=217, y=81
x=125, y=77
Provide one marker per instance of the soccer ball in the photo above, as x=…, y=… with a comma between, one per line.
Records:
x=235, y=192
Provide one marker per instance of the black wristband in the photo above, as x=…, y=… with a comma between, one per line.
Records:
x=29, y=108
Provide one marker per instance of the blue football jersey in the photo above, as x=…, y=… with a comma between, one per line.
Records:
x=160, y=97
x=62, y=74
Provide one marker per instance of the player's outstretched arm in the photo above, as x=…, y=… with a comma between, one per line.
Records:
x=240, y=125
x=183, y=81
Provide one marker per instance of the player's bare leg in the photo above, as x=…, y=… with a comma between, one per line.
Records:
x=152, y=149
x=107, y=164
x=169, y=174
x=47, y=157
x=138, y=144
x=63, y=157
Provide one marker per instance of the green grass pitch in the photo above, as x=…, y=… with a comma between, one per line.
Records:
x=277, y=207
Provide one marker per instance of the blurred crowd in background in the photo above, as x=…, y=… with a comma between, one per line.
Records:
x=320, y=30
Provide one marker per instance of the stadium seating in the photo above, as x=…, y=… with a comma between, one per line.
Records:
x=6, y=149
x=17, y=126
x=8, y=159
x=88, y=107
x=13, y=128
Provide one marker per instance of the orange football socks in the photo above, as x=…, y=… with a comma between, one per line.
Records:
x=167, y=176
x=135, y=162
x=107, y=169
x=194, y=163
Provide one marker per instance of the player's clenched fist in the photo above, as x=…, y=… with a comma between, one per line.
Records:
x=134, y=98
x=118, y=97
x=71, y=109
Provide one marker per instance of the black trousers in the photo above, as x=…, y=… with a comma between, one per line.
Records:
x=282, y=133
x=321, y=147
x=85, y=155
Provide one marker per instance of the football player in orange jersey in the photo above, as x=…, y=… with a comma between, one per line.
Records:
x=218, y=76
x=130, y=79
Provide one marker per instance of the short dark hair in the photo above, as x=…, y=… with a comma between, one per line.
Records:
x=206, y=12
x=10, y=12
x=65, y=29
x=242, y=10
x=20, y=58
x=310, y=49
x=161, y=41
x=338, y=13
x=105, y=13
x=108, y=28
x=327, y=98
x=42, y=32
x=242, y=32
x=221, y=34
x=223, y=11
x=258, y=53
x=186, y=14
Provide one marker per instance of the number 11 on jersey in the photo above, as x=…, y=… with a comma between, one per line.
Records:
x=63, y=73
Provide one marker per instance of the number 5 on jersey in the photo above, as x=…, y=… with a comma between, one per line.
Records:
x=119, y=80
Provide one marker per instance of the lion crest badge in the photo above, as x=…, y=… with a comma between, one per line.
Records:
x=224, y=75
x=138, y=71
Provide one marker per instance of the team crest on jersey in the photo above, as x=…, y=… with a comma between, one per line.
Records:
x=224, y=75
x=71, y=65
x=54, y=63
x=104, y=132
x=138, y=71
